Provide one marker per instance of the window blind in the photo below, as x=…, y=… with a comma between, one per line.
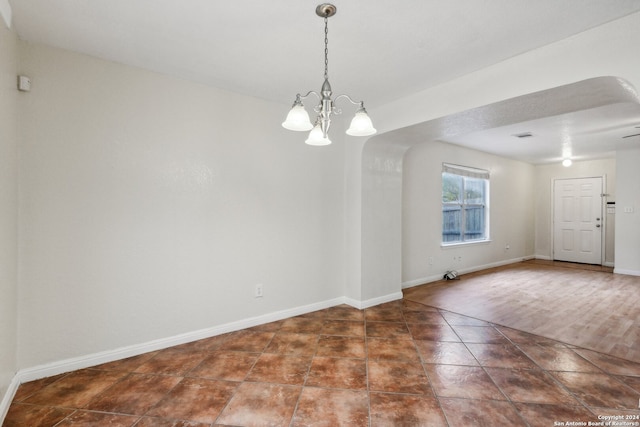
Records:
x=465, y=171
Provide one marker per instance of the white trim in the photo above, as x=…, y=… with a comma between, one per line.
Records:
x=5, y=11
x=86, y=361
x=544, y=257
x=608, y=264
x=373, y=301
x=552, y=218
x=8, y=397
x=422, y=281
x=627, y=272
x=81, y=362
x=446, y=245
x=435, y=278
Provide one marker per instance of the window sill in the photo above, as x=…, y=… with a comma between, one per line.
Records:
x=457, y=244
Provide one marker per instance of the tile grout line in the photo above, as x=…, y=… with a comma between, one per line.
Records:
x=239, y=382
x=306, y=377
x=426, y=373
x=550, y=373
x=545, y=371
x=553, y=377
x=171, y=389
x=496, y=384
x=482, y=366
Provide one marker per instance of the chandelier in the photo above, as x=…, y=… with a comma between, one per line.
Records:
x=298, y=118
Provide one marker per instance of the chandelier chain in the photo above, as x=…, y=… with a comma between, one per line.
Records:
x=326, y=47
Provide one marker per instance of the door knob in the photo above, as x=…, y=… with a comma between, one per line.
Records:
x=597, y=225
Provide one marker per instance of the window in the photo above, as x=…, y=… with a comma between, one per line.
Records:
x=465, y=196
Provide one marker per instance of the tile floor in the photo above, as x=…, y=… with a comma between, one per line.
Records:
x=396, y=364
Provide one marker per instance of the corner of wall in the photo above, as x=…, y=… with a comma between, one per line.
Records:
x=5, y=11
x=8, y=213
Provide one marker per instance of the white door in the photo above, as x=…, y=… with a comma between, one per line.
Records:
x=577, y=220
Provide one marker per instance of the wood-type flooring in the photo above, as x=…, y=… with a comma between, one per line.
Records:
x=582, y=305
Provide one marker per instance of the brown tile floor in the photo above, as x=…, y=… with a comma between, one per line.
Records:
x=397, y=364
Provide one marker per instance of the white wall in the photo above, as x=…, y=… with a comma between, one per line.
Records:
x=544, y=176
x=353, y=212
x=602, y=51
x=511, y=212
x=152, y=206
x=628, y=223
x=8, y=208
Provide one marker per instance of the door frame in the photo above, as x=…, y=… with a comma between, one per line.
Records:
x=603, y=215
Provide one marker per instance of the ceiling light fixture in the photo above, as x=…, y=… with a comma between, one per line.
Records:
x=298, y=118
x=566, y=163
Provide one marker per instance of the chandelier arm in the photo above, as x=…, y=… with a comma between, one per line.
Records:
x=360, y=103
x=298, y=96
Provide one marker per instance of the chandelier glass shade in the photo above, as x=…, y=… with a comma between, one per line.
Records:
x=298, y=118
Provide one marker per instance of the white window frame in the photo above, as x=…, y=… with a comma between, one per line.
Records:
x=469, y=172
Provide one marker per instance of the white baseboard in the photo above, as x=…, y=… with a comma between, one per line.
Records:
x=436, y=277
x=81, y=362
x=8, y=397
x=422, y=281
x=373, y=301
x=627, y=272
x=86, y=361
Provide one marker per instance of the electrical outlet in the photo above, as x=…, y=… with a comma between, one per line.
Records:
x=259, y=293
x=430, y=260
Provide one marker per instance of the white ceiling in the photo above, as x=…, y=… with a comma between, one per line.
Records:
x=379, y=50
x=581, y=135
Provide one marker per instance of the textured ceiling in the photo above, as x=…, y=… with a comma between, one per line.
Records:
x=379, y=50
x=585, y=120
x=579, y=135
